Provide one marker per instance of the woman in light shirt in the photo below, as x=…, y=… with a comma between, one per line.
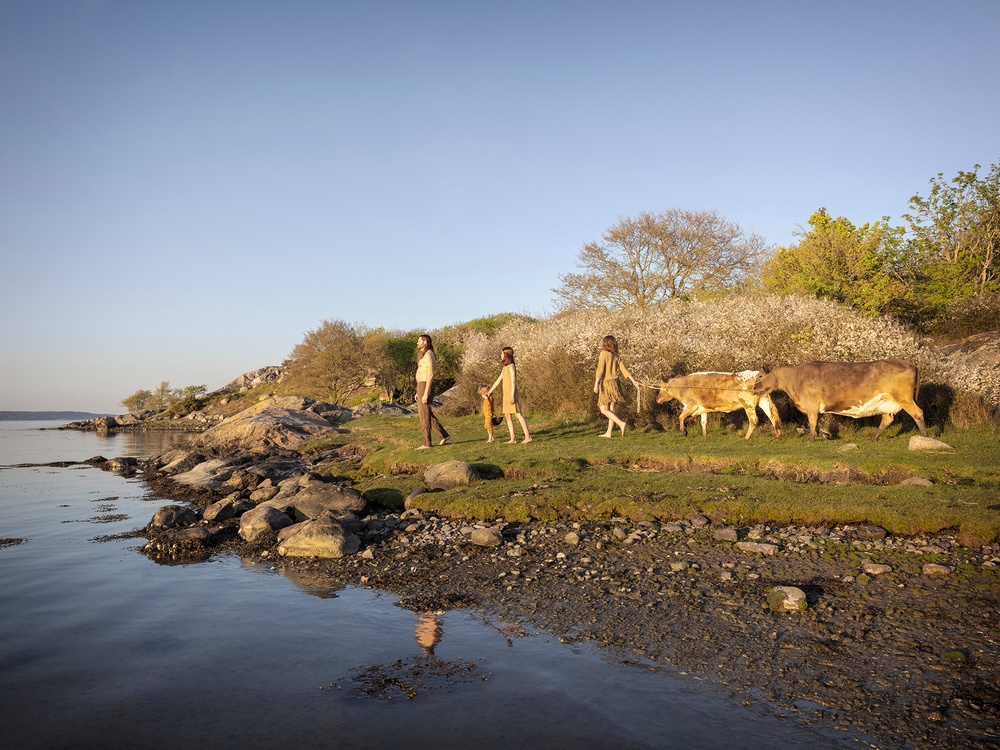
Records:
x=426, y=359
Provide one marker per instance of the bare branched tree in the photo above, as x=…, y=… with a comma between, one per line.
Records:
x=646, y=260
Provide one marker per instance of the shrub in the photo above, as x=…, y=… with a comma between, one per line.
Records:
x=557, y=356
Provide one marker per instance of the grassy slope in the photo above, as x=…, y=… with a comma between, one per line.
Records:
x=569, y=472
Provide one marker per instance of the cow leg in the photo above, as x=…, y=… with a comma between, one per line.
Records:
x=704, y=424
x=886, y=421
x=918, y=416
x=813, y=418
x=772, y=414
x=685, y=413
x=752, y=419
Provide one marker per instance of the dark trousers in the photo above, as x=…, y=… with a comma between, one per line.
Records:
x=427, y=418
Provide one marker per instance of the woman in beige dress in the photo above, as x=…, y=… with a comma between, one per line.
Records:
x=511, y=398
x=606, y=383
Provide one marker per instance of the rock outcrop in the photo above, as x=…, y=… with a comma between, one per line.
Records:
x=282, y=422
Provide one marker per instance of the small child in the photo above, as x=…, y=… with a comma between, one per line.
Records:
x=489, y=421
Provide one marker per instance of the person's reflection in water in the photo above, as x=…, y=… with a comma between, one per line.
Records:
x=428, y=631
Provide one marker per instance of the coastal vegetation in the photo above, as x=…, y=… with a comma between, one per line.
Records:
x=688, y=291
x=656, y=474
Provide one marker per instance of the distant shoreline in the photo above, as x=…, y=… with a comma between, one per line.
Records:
x=11, y=416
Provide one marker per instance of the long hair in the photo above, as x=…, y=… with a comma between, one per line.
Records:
x=508, y=355
x=609, y=344
x=427, y=338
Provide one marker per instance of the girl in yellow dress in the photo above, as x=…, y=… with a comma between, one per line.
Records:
x=606, y=383
x=511, y=399
x=489, y=420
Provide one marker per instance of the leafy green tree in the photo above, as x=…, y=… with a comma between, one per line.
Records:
x=956, y=230
x=653, y=257
x=334, y=361
x=187, y=400
x=867, y=267
x=137, y=401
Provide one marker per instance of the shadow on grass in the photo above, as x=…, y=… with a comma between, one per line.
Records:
x=488, y=471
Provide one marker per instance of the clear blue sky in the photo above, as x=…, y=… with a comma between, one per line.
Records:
x=187, y=187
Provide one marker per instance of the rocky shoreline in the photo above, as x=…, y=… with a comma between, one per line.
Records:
x=892, y=644
x=897, y=646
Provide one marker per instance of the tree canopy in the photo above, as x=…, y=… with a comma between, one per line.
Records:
x=863, y=266
x=939, y=274
x=645, y=260
x=956, y=232
x=335, y=360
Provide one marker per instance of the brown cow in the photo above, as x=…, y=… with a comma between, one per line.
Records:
x=701, y=393
x=852, y=389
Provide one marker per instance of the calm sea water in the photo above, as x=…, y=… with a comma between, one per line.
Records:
x=102, y=648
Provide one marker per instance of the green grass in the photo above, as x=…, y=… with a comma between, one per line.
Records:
x=568, y=472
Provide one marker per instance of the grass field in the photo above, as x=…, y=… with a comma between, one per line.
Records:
x=568, y=472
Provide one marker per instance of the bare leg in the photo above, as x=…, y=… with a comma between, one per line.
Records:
x=510, y=428
x=609, y=412
x=524, y=426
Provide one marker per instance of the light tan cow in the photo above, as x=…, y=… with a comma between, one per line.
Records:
x=702, y=393
x=852, y=389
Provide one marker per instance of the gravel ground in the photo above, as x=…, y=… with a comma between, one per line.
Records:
x=904, y=657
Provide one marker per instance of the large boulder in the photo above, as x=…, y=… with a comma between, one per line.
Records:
x=261, y=521
x=207, y=474
x=172, y=516
x=229, y=507
x=319, y=537
x=317, y=498
x=445, y=476
x=274, y=423
x=920, y=443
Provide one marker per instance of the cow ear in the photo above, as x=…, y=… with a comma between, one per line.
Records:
x=767, y=367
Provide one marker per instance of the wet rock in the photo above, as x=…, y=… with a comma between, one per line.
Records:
x=700, y=521
x=762, y=548
x=489, y=537
x=319, y=537
x=920, y=443
x=936, y=569
x=229, y=507
x=572, y=538
x=264, y=492
x=728, y=534
x=193, y=536
x=171, y=516
x=262, y=520
x=317, y=498
x=787, y=599
x=875, y=569
x=868, y=533
x=122, y=463
x=450, y=474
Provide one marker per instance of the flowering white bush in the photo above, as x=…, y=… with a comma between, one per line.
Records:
x=556, y=357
